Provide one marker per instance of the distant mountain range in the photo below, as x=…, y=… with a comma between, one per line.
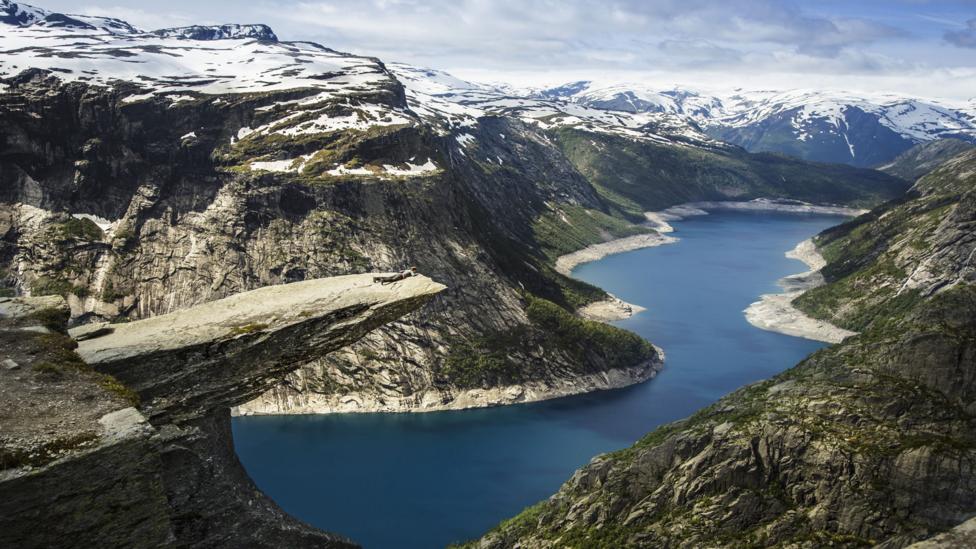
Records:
x=826, y=126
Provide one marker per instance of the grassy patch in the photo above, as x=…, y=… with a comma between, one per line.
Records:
x=568, y=228
x=248, y=328
x=78, y=229
x=615, y=347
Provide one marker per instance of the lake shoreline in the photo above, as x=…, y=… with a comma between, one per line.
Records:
x=613, y=309
x=776, y=312
x=434, y=400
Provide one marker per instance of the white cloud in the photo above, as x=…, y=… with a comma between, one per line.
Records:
x=740, y=42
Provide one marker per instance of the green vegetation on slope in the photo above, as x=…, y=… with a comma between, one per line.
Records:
x=489, y=361
x=862, y=443
x=870, y=259
x=637, y=176
x=568, y=228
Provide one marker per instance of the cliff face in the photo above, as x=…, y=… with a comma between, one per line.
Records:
x=133, y=208
x=80, y=466
x=188, y=219
x=867, y=442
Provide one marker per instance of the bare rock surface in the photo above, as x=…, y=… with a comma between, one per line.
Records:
x=145, y=458
x=225, y=352
x=776, y=312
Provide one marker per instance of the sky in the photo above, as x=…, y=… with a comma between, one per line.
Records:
x=916, y=47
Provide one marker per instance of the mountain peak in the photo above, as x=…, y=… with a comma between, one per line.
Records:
x=21, y=15
x=24, y=15
x=565, y=90
x=219, y=32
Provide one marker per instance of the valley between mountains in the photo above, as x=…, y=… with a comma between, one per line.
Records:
x=151, y=178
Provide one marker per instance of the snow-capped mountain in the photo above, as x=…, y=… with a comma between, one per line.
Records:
x=188, y=62
x=23, y=15
x=219, y=32
x=830, y=126
x=440, y=97
x=191, y=63
x=195, y=60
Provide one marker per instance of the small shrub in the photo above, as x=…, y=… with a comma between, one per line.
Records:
x=80, y=229
x=52, y=318
x=81, y=291
x=48, y=285
x=248, y=328
x=115, y=386
x=48, y=370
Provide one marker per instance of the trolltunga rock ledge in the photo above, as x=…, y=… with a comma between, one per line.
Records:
x=164, y=474
x=226, y=352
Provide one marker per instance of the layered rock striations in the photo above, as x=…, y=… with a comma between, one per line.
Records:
x=127, y=441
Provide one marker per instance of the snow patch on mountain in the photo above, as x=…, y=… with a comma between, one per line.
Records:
x=175, y=65
x=219, y=32
x=915, y=119
x=24, y=15
x=455, y=104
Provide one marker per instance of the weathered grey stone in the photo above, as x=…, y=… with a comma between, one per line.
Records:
x=960, y=537
x=103, y=475
x=226, y=352
x=88, y=331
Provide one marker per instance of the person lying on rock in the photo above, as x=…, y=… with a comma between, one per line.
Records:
x=395, y=277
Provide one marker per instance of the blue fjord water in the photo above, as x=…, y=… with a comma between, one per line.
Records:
x=424, y=480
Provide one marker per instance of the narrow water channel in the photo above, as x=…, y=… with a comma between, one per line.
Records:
x=422, y=481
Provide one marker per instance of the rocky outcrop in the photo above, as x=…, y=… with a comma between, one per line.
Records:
x=73, y=450
x=219, y=32
x=184, y=220
x=867, y=443
x=227, y=352
x=79, y=459
x=960, y=537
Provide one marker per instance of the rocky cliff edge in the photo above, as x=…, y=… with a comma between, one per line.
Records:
x=124, y=439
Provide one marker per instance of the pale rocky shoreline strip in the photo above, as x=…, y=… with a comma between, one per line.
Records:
x=776, y=312
x=613, y=308
x=436, y=400
x=566, y=263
